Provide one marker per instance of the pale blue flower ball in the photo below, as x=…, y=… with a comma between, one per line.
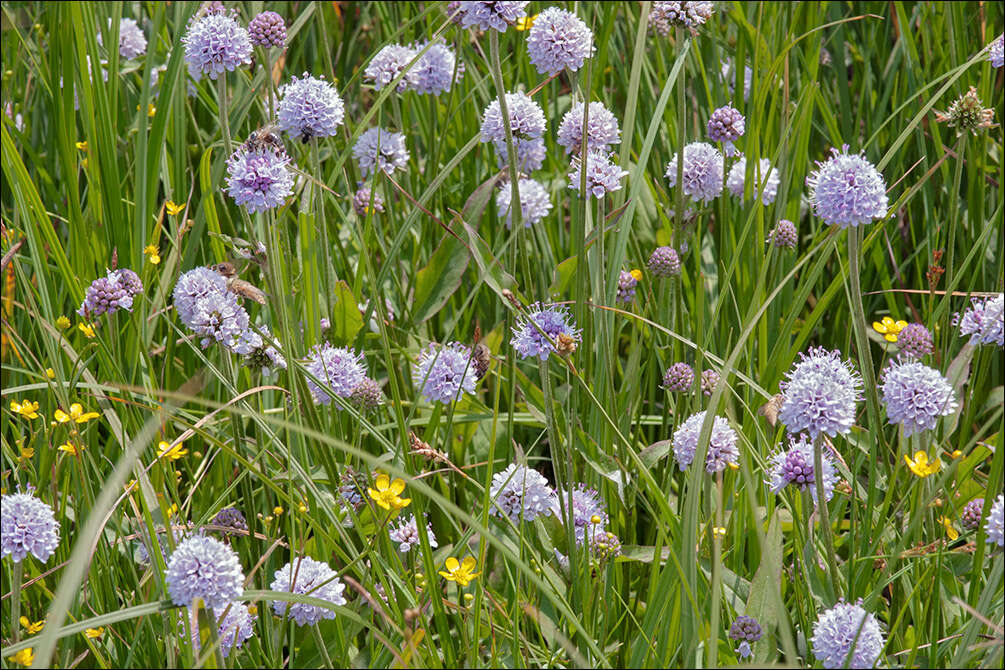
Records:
x=846, y=636
x=236, y=625
x=406, y=534
x=132, y=41
x=526, y=120
x=996, y=52
x=703, y=169
x=382, y=150
x=721, y=448
x=491, y=15
x=994, y=526
x=521, y=493
x=603, y=176
x=219, y=317
x=340, y=369
x=191, y=287
x=765, y=177
x=204, y=567
x=984, y=321
x=310, y=107
x=915, y=395
x=307, y=577
x=259, y=179
x=27, y=526
x=796, y=467
x=215, y=43
x=443, y=372
x=847, y=190
x=586, y=504
x=559, y=40
x=820, y=395
x=434, y=72
x=553, y=321
x=390, y=62
x=601, y=128
x=535, y=203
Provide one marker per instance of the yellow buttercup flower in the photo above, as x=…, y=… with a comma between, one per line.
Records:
x=153, y=252
x=387, y=494
x=955, y=454
x=718, y=530
x=27, y=452
x=525, y=22
x=50, y=373
x=948, y=524
x=460, y=571
x=31, y=628
x=174, y=208
x=82, y=145
x=637, y=274
x=77, y=414
x=889, y=328
x=87, y=329
x=24, y=657
x=71, y=448
x=95, y=633
x=921, y=466
x=165, y=450
x=63, y=322
x=25, y=408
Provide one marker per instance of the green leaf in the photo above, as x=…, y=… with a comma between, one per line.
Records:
x=346, y=318
x=765, y=598
x=654, y=452
x=564, y=272
x=440, y=279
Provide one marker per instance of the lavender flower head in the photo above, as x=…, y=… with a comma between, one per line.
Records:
x=679, y=377
x=703, y=166
x=390, y=62
x=380, y=149
x=784, y=235
x=406, y=534
x=521, y=493
x=312, y=578
x=602, y=175
x=434, y=71
x=259, y=178
x=995, y=526
x=820, y=395
x=108, y=294
x=915, y=395
x=664, y=262
x=601, y=128
x=996, y=52
x=627, y=281
x=215, y=43
x=495, y=15
x=268, y=30
x=192, y=287
x=746, y=629
x=444, y=372
x=236, y=625
x=554, y=321
x=230, y=517
x=260, y=354
x=530, y=154
x=721, y=448
x=132, y=41
x=526, y=121
x=309, y=107
x=915, y=340
x=846, y=636
x=765, y=177
x=204, y=567
x=796, y=467
x=709, y=380
x=971, y=516
x=847, y=190
x=984, y=321
x=367, y=396
x=664, y=15
x=559, y=40
x=361, y=201
x=586, y=505
x=340, y=369
x=535, y=202
x=27, y=526
x=219, y=317
x=726, y=125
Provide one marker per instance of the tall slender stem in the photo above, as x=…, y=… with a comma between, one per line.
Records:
x=712, y=648
x=221, y=89
x=825, y=523
x=15, y=603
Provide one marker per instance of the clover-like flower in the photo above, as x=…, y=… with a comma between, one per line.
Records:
x=434, y=71
x=663, y=15
x=27, y=526
x=444, y=372
x=726, y=125
x=996, y=51
x=765, y=180
x=535, y=202
x=664, y=262
x=235, y=626
x=984, y=321
x=847, y=190
x=603, y=176
x=193, y=286
x=559, y=40
x=132, y=41
x=915, y=340
x=721, y=448
x=387, y=64
x=520, y=493
x=679, y=377
x=589, y=512
x=379, y=149
x=387, y=493
x=312, y=578
x=602, y=128
x=995, y=526
x=820, y=395
x=745, y=629
x=366, y=201
x=971, y=516
x=847, y=636
x=796, y=466
x=527, y=126
x=406, y=534
x=340, y=369
x=110, y=293
x=554, y=321
x=309, y=107
x=215, y=43
x=203, y=567
x=916, y=395
x=491, y=15
x=259, y=179
x=268, y=30
x=703, y=166
x=784, y=235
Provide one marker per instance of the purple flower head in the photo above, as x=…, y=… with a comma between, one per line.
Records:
x=236, y=625
x=915, y=395
x=994, y=530
x=726, y=125
x=996, y=52
x=521, y=493
x=535, y=203
x=108, y=294
x=204, y=567
x=230, y=517
x=27, y=526
x=259, y=179
x=390, y=62
x=703, y=166
x=193, y=286
x=626, y=286
x=971, y=516
x=219, y=317
x=340, y=369
x=434, y=72
x=847, y=190
x=406, y=534
x=554, y=321
x=559, y=40
x=820, y=394
x=665, y=15
x=260, y=354
x=664, y=262
x=765, y=177
x=721, y=448
x=310, y=107
x=796, y=467
x=367, y=396
x=495, y=15
x=915, y=340
x=983, y=321
x=846, y=636
x=361, y=201
x=530, y=153
x=784, y=235
x=526, y=120
x=679, y=377
x=602, y=175
x=746, y=629
x=132, y=41
x=709, y=380
x=214, y=44
x=601, y=128
x=380, y=149
x=444, y=372
x=307, y=577
x=586, y=504
x=268, y=30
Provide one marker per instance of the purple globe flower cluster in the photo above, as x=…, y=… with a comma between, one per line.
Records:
x=784, y=235
x=527, y=126
x=305, y=576
x=984, y=321
x=996, y=51
x=208, y=308
x=678, y=378
x=766, y=180
x=108, y=294
x=379, y=149
x=665, y=15
x=132, y=41
x=27, y=526
x=847, y=190
x=626, y=287
x=204, y=567
x=559, y=40
x=820, y=395
x=443, y=372
x=709, y=381
x=847, y=636
x=915, y=395
x=970, y=519
x=589, y=512
x=406, y=534
x=535, y=333
x=994, y=529
x=745, y=629
x=603, y=176
x=432, y=73
x=703, y=170
x=519, y=493
x=601, y=128
x=722, y=450
x=365, y=201
x=235, y=626
x=309, y=107
x=390, y=62
x=664, y=262
x=340, y=369
x=230, y=517
x=259, y=178
x=796, y=467
x=726, y=125
x=535, y=202
x=267, y=30
x=915, y=341
x=491, y=15
x=215, y=43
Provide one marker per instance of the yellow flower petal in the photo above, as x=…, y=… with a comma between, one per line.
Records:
x=383, y=481
x=469, y=563
x=61, y=416
x=878, y=327
x=453, y=564
x=397, y=486
x=63, y=322
x=890, y=337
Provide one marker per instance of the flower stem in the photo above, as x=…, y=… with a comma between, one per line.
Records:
x=221, y=89
x=825, y=524
x=712, y=648
x=15, y=603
